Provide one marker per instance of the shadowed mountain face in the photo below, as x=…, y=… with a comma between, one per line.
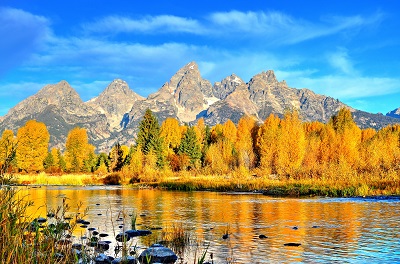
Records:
x=115, y=114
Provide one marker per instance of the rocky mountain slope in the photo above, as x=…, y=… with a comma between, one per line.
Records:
x=115, y=114
x=395, y=113
x=60, y=107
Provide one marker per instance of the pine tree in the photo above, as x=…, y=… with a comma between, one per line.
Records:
x=148, y=137
x=190, y=146
x=48, y=162
x=116, y=158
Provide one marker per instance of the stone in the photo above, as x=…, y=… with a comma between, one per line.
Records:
x=291, y=244
x=103, y=245
x=103, y=259
x=125, y=260
x=158, y=253
x=122, y=237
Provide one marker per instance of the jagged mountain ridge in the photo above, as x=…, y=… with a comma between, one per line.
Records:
x=114, y=115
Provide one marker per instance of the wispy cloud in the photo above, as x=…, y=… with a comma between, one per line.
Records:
x=347, y=87
x=147, y=25
x=276, y=27
x=341, y=61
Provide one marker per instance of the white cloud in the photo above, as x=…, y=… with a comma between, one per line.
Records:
x=273, y=27
x=148, y=24
x=341, y=61
x=281, y=28
x=348, y=87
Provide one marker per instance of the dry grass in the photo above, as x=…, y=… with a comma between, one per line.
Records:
x=66, y=179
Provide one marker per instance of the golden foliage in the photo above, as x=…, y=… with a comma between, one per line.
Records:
x=245, y=139
x=33, y=141
x=171, y=133
x=78, y=149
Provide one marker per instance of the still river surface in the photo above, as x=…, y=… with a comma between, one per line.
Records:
x=330, y=230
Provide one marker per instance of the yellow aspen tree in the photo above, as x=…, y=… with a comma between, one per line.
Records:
x=246, y=129
x=171, y=133
x=311, y=162
x=292, y=144
x=214, y=159
x=33, y=142
x=229, y=131
x=369, y=160
x=216, y=133
x=77, y=150
x=7, y=142
x=7, y=148
x=200, y=129
x=388, y=142
x=267, y=143
x=348, y=137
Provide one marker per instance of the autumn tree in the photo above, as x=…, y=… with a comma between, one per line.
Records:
x=348, y=137
x=33, y=140
x=229, y=131
x=8, y=147
x=79, y=154
x=171, y=134
x=267, y=144
x=148, y=138
x=291, y=144
x=245, y=142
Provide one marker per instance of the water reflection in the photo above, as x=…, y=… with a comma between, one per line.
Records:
x=329, y=230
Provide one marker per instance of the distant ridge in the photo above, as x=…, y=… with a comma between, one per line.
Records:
x=114, y=115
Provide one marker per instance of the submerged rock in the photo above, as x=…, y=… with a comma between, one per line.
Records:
x=291, y=244
x=158, y=254
x=103, y=259
x=125, y=260
x=122, y=237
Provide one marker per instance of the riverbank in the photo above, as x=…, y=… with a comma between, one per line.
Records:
x=362, y=185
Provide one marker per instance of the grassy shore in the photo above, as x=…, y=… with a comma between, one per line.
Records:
x=356, y=185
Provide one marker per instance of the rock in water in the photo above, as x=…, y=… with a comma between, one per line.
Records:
x=125, y=260
x=158, y=254
x=291, y=244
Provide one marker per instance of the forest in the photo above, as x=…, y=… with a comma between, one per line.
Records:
x=279, y=148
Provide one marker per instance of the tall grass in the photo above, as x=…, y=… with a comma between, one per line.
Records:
x=23, y=239
x=66, y=179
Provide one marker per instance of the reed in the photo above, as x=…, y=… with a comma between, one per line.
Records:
x=25, y=240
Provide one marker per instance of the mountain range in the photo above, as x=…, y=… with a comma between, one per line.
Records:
x=115, y=114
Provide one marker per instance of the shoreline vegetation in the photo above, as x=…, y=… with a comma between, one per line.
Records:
x=281, y=157
x=362, y=185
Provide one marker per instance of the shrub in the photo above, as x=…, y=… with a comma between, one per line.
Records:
x=112, y=179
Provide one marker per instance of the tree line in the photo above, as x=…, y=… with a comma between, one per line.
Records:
x=286, y=147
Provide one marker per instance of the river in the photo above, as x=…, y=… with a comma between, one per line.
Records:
x=329, y=230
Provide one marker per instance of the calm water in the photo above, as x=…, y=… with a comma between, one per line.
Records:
x=330, y=230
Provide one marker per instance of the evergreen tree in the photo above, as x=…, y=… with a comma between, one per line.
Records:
x=148, y=138
x=48, y=162
x=116, y=158
x=190, y=146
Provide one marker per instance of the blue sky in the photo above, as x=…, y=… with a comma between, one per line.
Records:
x=345, y=49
